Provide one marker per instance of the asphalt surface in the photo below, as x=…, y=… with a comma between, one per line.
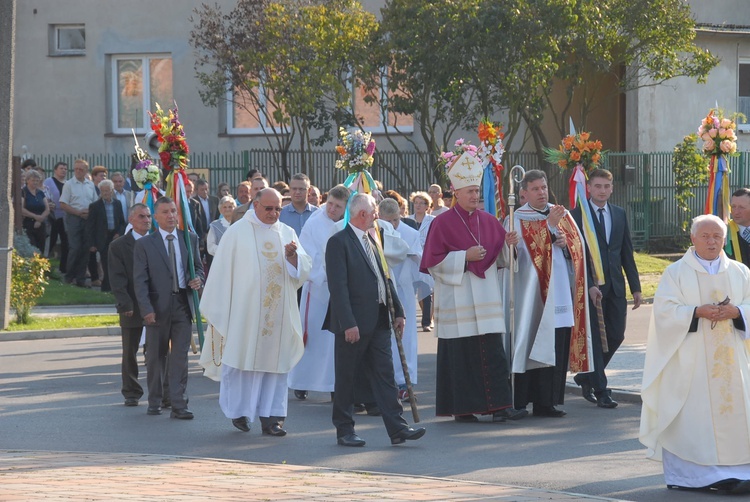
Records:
x=61, y=413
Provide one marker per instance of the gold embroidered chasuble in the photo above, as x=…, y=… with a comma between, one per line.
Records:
x=251, y=299
x=696, y=385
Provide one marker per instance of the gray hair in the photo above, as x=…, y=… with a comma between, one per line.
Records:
x=389, y=208
x=360, y=202
x=227, y=198
x=33, y=174
x=707, y=218
x=106, y=183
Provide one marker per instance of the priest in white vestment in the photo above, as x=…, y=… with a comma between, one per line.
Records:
x=251, y=302
x=695, y=416
x=552, y=330
x=316, y=371
x=405, y=276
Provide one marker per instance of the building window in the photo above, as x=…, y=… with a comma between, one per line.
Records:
x=743, y=100
x=371, y=109
x=138, y=83
x=251, y=112
x=67, y=40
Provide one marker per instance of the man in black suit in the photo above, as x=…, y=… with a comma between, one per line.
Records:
x=360, y=320
x=209, y=212
x=105, y=223
x=196, y=216
x=162, y=280
x=616, y=251
x=123, y=287
x=738, y=228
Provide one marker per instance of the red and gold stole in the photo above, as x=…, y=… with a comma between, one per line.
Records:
x=537, y=238
x=578, y=360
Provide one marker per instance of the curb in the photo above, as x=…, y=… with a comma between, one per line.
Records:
x=59, y=333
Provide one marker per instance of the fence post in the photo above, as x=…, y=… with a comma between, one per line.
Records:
x=742, y=166
x=647, y=196
x=245, y=162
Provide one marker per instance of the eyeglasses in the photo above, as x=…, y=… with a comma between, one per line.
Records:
x=271, y=209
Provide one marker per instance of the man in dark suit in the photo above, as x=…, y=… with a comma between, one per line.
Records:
x=209, y=212
x=360, y=320
x=123, y=287
x=616, y=251
x=738, y=228
x=162, y=280
x=105, y=223
x=197, y=217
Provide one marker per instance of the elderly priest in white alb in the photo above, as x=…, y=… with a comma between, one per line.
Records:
x=250, y=299
x=696, y=381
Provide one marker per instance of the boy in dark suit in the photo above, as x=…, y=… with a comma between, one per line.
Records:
x=616, y=251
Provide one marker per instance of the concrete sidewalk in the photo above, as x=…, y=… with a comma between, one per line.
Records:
x=34, y=475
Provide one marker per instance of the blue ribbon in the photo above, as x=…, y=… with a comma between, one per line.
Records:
x=488, y=189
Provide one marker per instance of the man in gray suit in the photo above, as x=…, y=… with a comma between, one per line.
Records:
x=162, y=280
x=123, y=288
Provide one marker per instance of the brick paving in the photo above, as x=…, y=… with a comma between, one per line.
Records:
x=38, y=475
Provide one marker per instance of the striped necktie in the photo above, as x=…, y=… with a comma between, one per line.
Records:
x=746, y=234
x=371, y=256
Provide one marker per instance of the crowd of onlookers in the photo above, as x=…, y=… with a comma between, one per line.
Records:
x=74, y=219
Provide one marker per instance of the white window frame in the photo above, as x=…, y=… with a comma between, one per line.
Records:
x=146, y=104
x=262, y=116
x=54, y=37
x=745, y=128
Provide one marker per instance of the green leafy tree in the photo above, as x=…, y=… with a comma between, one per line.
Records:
x=618, y=46
x=689, y=168
x=289, y=63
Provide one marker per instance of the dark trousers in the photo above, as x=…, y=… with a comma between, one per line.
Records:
x=78, y=253
x=104, y=253
x=615, y=316
x=37, y=236
x=545, y=386
x=93, y=266
x=58, y=229
x=426, y=311
x=371, y=355
x=174, y=326
x=130, y=341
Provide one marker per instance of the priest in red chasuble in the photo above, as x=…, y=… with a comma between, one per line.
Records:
x=552, y=331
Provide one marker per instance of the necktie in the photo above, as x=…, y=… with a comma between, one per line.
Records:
x=173, y=263
x=371, y=255
x=601, y=222
x=746, y=234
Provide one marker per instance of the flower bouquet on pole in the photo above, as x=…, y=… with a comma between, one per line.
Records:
x=173, y=153
x=490, y=152
x=579, y=153
x=356, y=150
x=146, y=176
x=719, y=141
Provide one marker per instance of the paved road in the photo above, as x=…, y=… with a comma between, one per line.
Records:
x=63, y=395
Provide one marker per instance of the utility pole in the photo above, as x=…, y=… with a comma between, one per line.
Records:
x=7, y=54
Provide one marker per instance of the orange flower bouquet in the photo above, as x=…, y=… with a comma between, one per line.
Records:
x=576, y=149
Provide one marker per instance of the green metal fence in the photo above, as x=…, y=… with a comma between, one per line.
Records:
x=644, y=182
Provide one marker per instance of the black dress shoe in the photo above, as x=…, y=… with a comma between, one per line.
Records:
x=374, y=411
x=183, y=414
x=587, y=391
x=131, y=401
x=153, y=410
x=300, y=394
x=509, y=414
x=351, y=440
x=274, y=430
x=407, y=433
x=241, y=423
x=606, y=401
x=466, y=419
x=548, y=411
x=359, y=408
